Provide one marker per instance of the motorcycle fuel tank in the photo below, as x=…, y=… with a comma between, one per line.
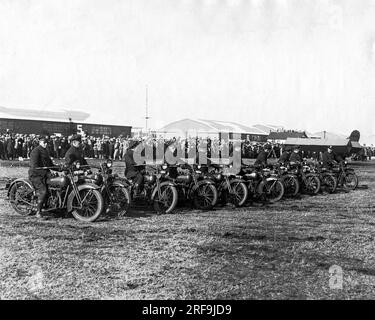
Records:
x=183, y=178
x=60, y=181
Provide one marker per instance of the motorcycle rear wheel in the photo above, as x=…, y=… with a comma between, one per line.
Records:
x=92, y=205
x=22, y=198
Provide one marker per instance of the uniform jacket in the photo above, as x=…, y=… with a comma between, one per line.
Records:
x=261, y=158
x=39, y=157
x=74, y=154
x=330, y=158
x=295, y=157
x=284, y=157
x=130, y=170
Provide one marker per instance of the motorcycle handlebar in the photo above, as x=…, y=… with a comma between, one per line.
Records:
x=60, y=167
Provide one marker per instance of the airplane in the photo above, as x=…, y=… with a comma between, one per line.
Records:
x=344, y=147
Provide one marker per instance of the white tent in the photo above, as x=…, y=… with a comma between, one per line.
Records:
x=206, y=128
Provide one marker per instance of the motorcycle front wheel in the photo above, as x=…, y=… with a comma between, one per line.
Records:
x=311, y=184
x=92, y=205
x=120, y=199
x=167, y=200
x=291, y=185
x=351, y=180
x=205, y=196
x=329, y=183
x=274, y=190
x=239, y=193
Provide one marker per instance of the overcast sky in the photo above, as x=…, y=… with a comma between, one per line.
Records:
x=303, y=64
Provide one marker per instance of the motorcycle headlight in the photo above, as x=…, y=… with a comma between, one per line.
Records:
x=109, y=163
x=164, y=166
x=199, y=166
x=345, y=162
x=76, y=165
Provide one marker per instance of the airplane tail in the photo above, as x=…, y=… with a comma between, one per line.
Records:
x=354, y=136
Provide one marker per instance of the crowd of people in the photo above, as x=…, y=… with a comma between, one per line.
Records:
x=14, y=146
x=19, y=146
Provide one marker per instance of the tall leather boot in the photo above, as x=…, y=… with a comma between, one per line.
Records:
x=38, y=214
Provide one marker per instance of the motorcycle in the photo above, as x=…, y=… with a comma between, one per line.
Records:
x=263, y=184
x=309, y=181
x=231, y=188
x=192, y=185
x=158, y=190
x=346, y=177
x=115, y=190
x=289, y=180
x=328, y=180
x=65, y=192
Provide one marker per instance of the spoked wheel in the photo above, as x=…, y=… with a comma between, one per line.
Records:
x=239, y=193
x=205, y=196
x=22, y=198
x=120, y=199
x=329, y=183
x=274, y=190
x=291, y=185
x=350, y=180
x=167, y=200
x=312, y=184
x=92, y=205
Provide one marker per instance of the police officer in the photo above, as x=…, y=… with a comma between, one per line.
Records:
x=284, y=158
x=330, y=158
x=295, y=156
x=263, y=156
x=39, y=157
x=75, y=152
x=132, y=171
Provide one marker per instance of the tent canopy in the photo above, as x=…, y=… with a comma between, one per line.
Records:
x=200, y=126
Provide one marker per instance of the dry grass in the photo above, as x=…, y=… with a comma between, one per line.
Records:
x=281, y=251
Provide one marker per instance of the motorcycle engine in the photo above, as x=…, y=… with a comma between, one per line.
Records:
x=54, y=198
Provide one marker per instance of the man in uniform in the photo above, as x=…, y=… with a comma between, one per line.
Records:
x=330, y=158
x=295, y=156
x=263, y=156
x=40, y=157
x=132, y=171
x=75, y=152
x=284, y=158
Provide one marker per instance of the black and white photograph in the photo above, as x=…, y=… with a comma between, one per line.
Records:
x=204, y=152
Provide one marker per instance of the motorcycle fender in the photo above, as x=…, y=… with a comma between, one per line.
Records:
x=233, y=180
x=119, y=183
x=27, y=181
x=205, y=181
x=165, y=183
x=271, y=179
x=80, y=187
x=122, y=182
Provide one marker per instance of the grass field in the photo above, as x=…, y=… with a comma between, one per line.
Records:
x=280, y=251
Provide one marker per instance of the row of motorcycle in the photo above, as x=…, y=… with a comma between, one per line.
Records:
x=87, y=192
